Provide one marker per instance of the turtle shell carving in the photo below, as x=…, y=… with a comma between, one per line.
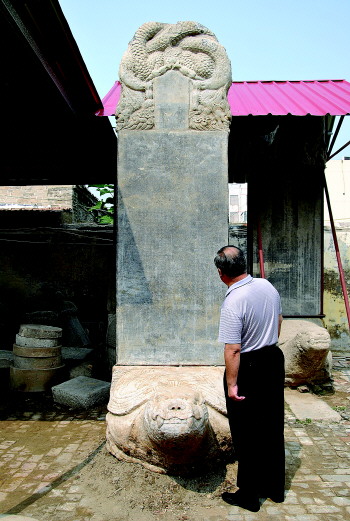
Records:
x=169, y=419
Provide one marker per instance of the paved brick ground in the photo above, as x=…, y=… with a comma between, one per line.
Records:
x=41, y=452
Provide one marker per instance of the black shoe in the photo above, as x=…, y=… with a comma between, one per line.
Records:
x=242, y=500
x=276, y=498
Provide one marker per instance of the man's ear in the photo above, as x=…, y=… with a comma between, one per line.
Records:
x=219, y=272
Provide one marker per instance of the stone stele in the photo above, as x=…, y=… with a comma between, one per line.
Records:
x=172, y=121
x=306, y=348
x=169, y=419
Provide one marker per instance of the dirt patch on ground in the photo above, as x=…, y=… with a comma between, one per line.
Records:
x=129, y=491
x=108, y=489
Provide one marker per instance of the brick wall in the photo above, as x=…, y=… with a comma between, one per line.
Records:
x=71, y=200
x=53, y=196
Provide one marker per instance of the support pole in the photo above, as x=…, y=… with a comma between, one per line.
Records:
x=329, y=151
x=336, y=246
x=261, y=253
x=339, y=150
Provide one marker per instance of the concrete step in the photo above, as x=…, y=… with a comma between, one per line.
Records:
x=308, y=406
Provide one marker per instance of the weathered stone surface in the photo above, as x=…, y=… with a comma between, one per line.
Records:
x=6, y=358
x=78, y=361
x=111, y=335
x=306, y=348
x=170, y=419
x=170, y=184
x=24, y=341
x=13, y=517
x=111, y=341
x=35, y=380
x=172, y=97
x=190, y=50
x=39, y=331
x=81, y=392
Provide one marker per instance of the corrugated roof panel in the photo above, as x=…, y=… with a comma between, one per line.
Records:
x=337, y=93
x=110, y=100
x=279, y=98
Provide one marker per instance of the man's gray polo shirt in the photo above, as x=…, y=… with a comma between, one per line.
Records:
x=249, y=314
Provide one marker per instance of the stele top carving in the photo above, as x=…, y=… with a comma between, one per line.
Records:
x=187, y=47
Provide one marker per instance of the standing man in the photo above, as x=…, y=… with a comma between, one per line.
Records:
x=250, y=323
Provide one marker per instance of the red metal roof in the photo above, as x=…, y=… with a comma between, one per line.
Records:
x=279, y=98
x=110, y=101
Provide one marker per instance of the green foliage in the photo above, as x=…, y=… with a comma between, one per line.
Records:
x=307, y=421
x=103, y=210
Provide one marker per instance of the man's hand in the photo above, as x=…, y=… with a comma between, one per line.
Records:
x=233, y=393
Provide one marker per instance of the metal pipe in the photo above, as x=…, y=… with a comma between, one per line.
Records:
x=335, y=135
x=336, y=246
x=339, y=150
x=261, y=253
x=304, y=316
x=322, y=260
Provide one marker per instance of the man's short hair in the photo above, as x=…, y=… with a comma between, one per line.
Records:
x=231, y=261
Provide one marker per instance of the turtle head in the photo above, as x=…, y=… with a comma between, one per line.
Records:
x=176, y=420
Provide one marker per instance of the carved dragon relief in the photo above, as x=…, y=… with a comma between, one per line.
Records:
x=187, y=47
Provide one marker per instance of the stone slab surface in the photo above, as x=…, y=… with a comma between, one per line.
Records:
x=81, y=392
x=308, y=406
x=171, y=96
x=169, y=292
x=6, y=358
x=75, y=353
x=40, y=331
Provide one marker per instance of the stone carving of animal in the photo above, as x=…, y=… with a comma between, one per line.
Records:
x=187, y=47
x=306, y=348
x=173, y=419
x=169, y=419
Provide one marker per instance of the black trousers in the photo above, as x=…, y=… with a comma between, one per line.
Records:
x=257, y=423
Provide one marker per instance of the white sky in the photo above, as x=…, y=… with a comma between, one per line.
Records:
x=264, y=39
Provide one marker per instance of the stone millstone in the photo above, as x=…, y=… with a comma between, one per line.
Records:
x=81, y=392
x=36, y=352
x=35, y=380
x=40, y=331
x=48, y=362
x=25, y=341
